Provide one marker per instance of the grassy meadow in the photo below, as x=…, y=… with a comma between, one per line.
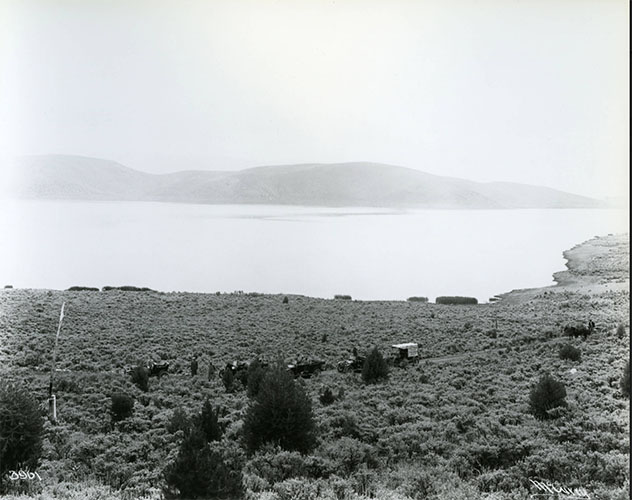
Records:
x=456, y=425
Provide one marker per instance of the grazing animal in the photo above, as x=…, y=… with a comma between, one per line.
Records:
x=579, y=330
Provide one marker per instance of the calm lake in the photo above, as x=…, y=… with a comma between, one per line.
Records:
x=366, y=253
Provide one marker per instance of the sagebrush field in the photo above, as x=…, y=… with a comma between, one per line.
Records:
x=456, y=425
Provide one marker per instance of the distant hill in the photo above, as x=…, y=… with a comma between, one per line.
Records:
x=343, y=184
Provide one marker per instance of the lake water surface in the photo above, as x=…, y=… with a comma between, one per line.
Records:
x=366, y=253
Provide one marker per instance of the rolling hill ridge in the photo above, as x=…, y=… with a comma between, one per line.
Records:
x=343, y=184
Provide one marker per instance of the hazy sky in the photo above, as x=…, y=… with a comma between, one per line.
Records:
x=524, y=91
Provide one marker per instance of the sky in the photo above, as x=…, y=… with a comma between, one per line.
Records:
x=524, y=91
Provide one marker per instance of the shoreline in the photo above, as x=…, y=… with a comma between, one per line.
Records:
x=584, y=262
x=578, y=275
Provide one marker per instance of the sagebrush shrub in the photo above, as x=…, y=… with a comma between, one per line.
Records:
x=274, y=465
x=281, y=414
x=567, y=351
x=375, y=367
x=348, y=454
x=179, y=421
x=545, y=396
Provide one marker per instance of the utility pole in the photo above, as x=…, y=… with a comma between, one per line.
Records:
x=52, y=400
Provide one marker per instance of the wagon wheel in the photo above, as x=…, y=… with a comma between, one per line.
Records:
x=342, y=367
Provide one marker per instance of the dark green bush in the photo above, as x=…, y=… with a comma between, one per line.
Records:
x=286, y=300
x=126, y=288
x=140, y=377
x=21, y=427
x=545, y=396
x=456, y=300
x=122, y=407
x=625, y=380
x=375, y=367
x=281, y=414
x=417, y=299
x=327, y=397
x=342, y=297
x=82, y=289
x=621, y=330
x=567, y=351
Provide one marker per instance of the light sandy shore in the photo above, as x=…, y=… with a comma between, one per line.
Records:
x=598, y=265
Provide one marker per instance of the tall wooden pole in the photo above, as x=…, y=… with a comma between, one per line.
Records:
x=52, y=400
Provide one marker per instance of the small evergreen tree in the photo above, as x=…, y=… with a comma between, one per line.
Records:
x=625, y=380
x=281, y=414
x=21, y=427
x=122, y=407
x=208, y=422
x=545, y=396
x=375, y=367
x=202, y=471
x=256, y=373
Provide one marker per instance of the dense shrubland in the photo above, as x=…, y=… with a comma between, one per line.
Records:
x=459, y=424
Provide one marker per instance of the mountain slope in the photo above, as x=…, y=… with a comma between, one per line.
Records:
x=344, y=184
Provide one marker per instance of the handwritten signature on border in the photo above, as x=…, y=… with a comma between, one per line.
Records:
x=563, y=492
x=23, y=474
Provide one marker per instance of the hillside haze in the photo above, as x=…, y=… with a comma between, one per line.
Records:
x=343, y=184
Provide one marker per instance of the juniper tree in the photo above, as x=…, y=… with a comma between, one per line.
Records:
x=21, y=427
x=375, y=367
x=545, y=396
x=201, y=470
x=256, y=373
x=281, y=414
x=228, y=379
x=208, y=422
x=122, y=407
x=140, y=377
